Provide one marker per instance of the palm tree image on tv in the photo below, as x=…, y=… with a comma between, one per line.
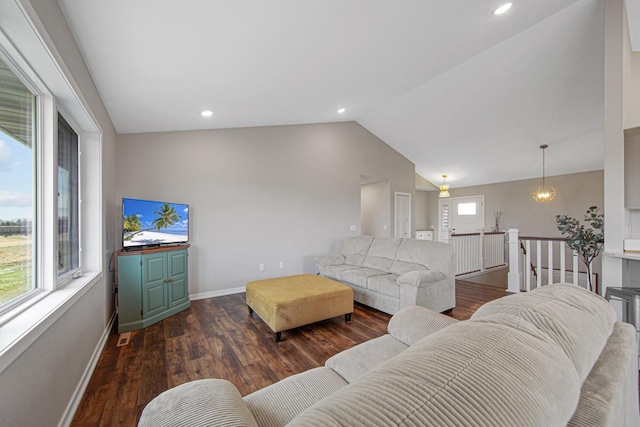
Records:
x=146, y=223
x=131, y=224
x=166, y=217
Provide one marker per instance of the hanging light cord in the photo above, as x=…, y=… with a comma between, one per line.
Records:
x=543, y=174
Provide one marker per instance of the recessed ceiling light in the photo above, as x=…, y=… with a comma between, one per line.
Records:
x=341, y=110
x=207, y=113
x=502, y=9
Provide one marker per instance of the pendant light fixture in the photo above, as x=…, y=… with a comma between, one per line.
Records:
x=444, y=188
x=544, y=193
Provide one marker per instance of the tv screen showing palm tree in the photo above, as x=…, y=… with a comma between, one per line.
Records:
x=150, y=223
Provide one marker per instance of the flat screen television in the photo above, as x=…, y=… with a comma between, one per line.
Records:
x=153, y=223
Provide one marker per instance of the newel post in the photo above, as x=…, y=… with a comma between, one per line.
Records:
x=514, y=276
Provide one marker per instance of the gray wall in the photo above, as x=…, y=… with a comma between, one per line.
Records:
x=375, y=211
x=260, y=195
x=38, y=387
x=576, y=193
x=422, y=219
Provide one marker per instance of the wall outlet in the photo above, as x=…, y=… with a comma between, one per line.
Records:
x=384, y=227
x=261, y=267
x=281, y=264
x=352, y=227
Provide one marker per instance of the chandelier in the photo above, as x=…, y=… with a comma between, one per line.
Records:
x=444, y=188
x=544, y=193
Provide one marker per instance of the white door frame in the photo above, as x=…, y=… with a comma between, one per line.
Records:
x=395, y=213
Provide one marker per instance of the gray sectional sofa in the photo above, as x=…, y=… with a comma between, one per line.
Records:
x=555, y=356
x=392, y=273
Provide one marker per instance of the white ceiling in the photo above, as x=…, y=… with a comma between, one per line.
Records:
x=453, y=87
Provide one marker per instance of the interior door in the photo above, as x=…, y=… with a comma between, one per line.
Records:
x=403, y=215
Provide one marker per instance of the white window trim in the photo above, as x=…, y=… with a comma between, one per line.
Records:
x=25, y=48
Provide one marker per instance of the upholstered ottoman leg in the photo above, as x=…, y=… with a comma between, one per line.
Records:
x=347, y=317
x=278, y=336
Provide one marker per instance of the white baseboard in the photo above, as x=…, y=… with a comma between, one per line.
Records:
x=221, y=293
x=86, y=376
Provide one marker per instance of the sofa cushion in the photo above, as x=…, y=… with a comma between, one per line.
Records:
x=360, y=276
x=215, y=403
x=354, y=362
x=335, y=271
x=385, y=285
x=401, y=267
x=411, y=324
x=276, y=405
x=356, y=259
x=382, y=253
x=479, y=373
x=609, y=396
x=579, y=321
x=358, y=245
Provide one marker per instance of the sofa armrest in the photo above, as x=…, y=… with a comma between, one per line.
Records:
x=411, y=324
x=421, y=277
x=329, y=259
x=211, y=402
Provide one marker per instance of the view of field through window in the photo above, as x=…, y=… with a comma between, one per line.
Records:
x=17, y=186
x=16, y=230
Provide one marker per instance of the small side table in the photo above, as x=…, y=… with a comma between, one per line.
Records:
x=631, y=299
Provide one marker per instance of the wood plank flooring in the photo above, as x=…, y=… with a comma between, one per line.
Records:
x=216, y=338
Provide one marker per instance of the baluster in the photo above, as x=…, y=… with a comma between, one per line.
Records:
x=563, y=263
x=539, y=263
x=528, y=266
x=576, y=273
x=550, y=262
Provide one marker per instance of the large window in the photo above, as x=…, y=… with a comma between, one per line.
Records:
x=50, y=187
x=17, y=187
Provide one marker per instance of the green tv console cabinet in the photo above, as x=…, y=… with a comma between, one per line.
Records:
x=152, y=285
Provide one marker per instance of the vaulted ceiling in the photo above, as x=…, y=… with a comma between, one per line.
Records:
x=453, y=87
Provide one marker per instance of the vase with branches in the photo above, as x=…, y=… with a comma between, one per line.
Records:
x=497, y=216
x=586, y=241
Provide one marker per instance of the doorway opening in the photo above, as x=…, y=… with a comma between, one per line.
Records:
x=375, y=207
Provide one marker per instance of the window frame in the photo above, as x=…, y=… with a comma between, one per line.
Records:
x=37, y=161
x=67, y=276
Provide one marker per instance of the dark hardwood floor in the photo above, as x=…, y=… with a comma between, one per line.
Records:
x=216, y=338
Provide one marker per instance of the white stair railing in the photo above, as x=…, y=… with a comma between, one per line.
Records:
x=476, y=252
x=527, y=273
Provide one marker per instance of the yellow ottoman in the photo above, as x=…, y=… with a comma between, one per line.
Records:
x=288, y=302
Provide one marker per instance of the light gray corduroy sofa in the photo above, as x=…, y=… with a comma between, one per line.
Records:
x=389, y=273
x=553, y=357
